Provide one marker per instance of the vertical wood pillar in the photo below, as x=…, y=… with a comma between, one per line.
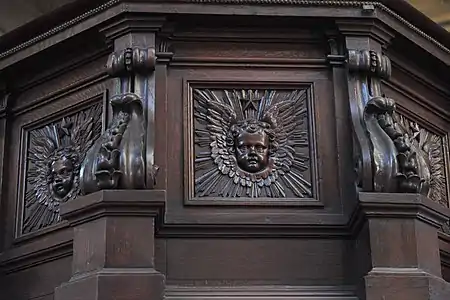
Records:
x=404, y=247
x=114, y=224
x=164, y=57
x=113, y=246
x=3, y=138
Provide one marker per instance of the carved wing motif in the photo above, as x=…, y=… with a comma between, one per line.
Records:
x=54, y=156
x=217, y=118
x=429, y=158
x=222, y=116
x=288, y=117
x=87, y=125
x=39, y=205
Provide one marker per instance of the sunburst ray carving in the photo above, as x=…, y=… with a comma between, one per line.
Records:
x=55, y=153
x=251, y=143
x=430, y=157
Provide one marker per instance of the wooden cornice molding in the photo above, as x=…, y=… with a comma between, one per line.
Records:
x=399, y=11
x=371, y=28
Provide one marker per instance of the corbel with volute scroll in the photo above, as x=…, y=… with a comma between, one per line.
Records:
x=122, y=158
x=386, y=161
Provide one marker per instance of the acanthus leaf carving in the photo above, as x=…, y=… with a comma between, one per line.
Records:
x=375, y=154
x=118, y=159
x=400, y=156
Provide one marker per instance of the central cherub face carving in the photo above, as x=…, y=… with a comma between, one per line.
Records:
x=252, y=151
x=251, y=141
x=62, y=176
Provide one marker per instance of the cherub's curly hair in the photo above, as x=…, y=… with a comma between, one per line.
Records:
x=252, y=126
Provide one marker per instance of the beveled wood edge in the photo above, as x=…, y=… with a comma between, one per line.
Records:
x=414, y=72
x=398, y=206
x=57, y=244
x=55, y=71
x=444, y=246
x=402, y=205
x=37, y=251
x=444, y=250
x=174, y=292
x=139, y=203
x=421, y=101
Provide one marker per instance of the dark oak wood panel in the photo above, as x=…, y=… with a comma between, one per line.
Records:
x=322, y=128
x=96, y=93
x=179, y=80
x=444, y=249
x=37, y=281
x=255, y=262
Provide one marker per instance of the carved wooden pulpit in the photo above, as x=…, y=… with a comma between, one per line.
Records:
x=236, y=149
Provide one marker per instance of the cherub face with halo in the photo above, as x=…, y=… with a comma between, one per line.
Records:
x=252, y=143
x=62, y=173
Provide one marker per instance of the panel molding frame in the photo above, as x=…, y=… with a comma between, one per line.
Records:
x=85, y=103
x=188, y=124
x=267, y=220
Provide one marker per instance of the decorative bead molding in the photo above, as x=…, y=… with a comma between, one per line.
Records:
x=59, y=28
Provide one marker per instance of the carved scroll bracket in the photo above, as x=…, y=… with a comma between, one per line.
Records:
x=123, y=157
x=386, y=160
x=374, y=150
x=131, y=61
x=132, y=67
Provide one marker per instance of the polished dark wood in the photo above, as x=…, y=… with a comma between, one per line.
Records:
x=334, y=243
x=412, y=221
x=113, y=246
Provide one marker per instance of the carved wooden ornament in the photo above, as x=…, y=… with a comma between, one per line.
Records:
x=426, y=158
x=118, y=159
x=54, y=157
x=393, y=153
x=251, y=143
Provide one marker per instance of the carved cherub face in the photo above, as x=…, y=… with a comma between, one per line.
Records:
x=251, y=146
x=252, y=152
x=62, y=176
